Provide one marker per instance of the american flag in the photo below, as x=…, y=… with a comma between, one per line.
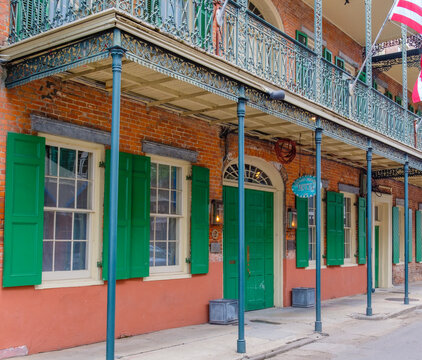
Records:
x=417, y=89
x=408, y=12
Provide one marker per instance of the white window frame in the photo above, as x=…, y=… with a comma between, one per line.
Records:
x=312, y=263
x=352, y=229
x=91, y=276
x=182, y=270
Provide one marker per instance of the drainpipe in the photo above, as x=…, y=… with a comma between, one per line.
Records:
x=117, y=53
x=369, y=229
x=318, y=140
x=241, y=110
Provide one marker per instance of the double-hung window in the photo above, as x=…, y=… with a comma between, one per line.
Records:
x=312, y=227
x=167, y=216
x=349, y=245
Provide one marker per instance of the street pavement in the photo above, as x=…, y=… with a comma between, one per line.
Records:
x=283, y=333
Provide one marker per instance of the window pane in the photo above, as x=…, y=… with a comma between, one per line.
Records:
x=51, y=157
x=80, y=226
x=62, y=256
x=153, y=175
x=160, y=253
x=153, y=201
x=163, y=201
x=175, y=202
x=175, y=178
x=67, y=163
x=50, y=192
x=47, y=256
x=48, y=225
x=83, y=196
x=163, y=176
x=151, y=253
x=151, y=228
x=84, y=165
x=63, y=226
x=66, y=193
x=79, y=255
x=160, y=228
x=172, y=253
x=173, y=229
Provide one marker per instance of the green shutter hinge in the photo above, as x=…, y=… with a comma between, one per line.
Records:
x=99, y=264
x=188, y=260
x=356, y=255
x=102, y=164
x=189, y=177
x=324, y=256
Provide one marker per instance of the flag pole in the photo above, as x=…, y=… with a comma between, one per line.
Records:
x=352, y=86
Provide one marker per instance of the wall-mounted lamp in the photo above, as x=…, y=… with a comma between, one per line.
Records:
x=292, y=218
x=217, y=212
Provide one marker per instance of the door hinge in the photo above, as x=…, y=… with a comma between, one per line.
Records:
x=102, y=164
x=189, y=177
x=188, y=260
x=99, y=264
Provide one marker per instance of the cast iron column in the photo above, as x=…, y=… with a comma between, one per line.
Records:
x=117, y=53
x=406, y=231
x=241, y=110
x=318, y=140
x=318, y=48
x=369, y=229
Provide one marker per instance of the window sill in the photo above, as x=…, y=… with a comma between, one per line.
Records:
x=348, y=265
x=313, y=267
x=51, y=284
x=167, y=276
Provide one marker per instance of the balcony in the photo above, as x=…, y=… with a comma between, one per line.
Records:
x=245, y=41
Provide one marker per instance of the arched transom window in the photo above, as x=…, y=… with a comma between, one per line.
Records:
x=253, y=175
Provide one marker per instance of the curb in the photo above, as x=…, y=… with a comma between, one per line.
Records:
x=294, y=344
x=391, y=315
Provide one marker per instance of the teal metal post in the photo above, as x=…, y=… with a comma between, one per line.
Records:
x=318, y=140
x=406, y=231
x=116, y=53
x=369, y=229
x=241, y=110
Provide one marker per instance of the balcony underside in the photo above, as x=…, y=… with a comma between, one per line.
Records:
x=157, y=90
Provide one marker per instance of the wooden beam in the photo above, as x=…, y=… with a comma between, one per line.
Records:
x=93, y=69
x=231, y=119
x=145, y=83
x=213, y=108
x=176, y=98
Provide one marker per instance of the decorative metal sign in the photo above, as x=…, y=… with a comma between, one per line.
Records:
x=305, y=186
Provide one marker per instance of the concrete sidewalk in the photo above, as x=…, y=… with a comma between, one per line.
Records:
x=268, y=332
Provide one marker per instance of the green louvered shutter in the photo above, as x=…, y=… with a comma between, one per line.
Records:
x=24, y=210
x=335, y=228
x=410, y=254
x=124, y=209
x=396, y=236
x=204, y=23
x=362, y=231
x=140, y=231
x=418, y=236
x=200, y=220
x=133, y=228
x=302, y=233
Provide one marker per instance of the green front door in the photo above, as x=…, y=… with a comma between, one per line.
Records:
x=259, y=262
x=377, y=257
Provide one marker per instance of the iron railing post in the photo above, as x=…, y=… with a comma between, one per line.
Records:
x=406, y=231
x=117, y=53
x=318, y=140
x=369, y=229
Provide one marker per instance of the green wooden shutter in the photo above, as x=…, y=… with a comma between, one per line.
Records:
x=396, y=236
x=410, y=232
x=140, y=231
x=362, y=231
x=123, y=216
x=418, y=236
x=132, y=258
x=302, y=37
x=335, y=228
x=200, y=220
x=24, y=210
x=302, y=233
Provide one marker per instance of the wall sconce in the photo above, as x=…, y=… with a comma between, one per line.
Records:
x=292, y=218
x=217, y=212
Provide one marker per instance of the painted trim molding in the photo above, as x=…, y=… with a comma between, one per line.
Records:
x=155, y=148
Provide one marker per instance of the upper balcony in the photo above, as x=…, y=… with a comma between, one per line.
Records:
x=244, y=41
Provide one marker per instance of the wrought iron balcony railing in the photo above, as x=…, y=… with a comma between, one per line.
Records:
x=244, y=40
